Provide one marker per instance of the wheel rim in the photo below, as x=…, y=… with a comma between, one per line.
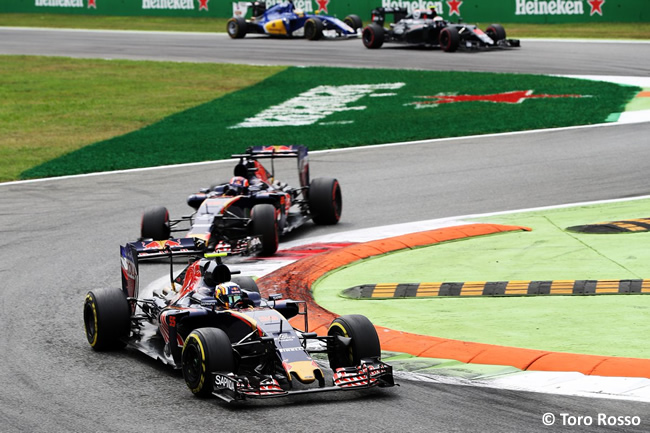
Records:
x=368, y=37
x=232, y=28
x=89, y=322
x=192, y=364
x=444, y=39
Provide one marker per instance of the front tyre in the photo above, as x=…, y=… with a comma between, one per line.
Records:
x=373, y=36
x=155, y=223
x=325, y=201
x=353, y=21
x=107, y=318
x=363, y=341
x=313, y=29
x=236, y=27
x=205, y=351
x=265, y=225
x=496, y=32
x=449, y=39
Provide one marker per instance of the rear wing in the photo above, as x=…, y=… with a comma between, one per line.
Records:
x=133, y=252
x=301, y=153
x=378, y=15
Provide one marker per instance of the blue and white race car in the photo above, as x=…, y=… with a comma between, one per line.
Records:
x=284, y=19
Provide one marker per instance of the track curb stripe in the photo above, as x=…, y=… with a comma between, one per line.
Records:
x=299, y=276
x=497, y=288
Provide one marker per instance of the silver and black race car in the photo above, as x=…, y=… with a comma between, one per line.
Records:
x=427, y=28
x=227, y=340
x=252, y=211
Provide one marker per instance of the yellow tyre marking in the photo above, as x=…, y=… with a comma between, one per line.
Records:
x=94, y=307
x=194, y=337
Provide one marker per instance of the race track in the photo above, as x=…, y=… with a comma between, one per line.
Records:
x=62, y=237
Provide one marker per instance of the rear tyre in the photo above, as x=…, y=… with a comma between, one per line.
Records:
x=155, y=223
x=236, y=27
x=325, y=201
x=496, y=32
x=107, y=319
x=205, y=351
x=449, y=39
x=313, y=29
x=364, y=341
x=265, y=224
x=353, y=21
x=373, y=36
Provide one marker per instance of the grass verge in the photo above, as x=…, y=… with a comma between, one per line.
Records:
x=600, y=325
x=52, y=106
x=339, y=107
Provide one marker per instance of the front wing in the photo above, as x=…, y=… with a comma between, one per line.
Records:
x=369, y=374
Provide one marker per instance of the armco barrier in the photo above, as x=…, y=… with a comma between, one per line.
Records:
x=474, y=11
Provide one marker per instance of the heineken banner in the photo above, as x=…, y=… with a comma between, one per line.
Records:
x=479, y=11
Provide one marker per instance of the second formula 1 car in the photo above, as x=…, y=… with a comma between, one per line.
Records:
x=427, y=28
x=227, y=340
x=284, y=19
x=249, y=213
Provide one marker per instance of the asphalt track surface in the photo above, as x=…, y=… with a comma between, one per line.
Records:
x=61, y=238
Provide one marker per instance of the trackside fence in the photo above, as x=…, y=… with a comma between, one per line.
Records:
x=479, y=11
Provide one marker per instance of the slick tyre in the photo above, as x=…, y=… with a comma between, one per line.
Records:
x=449, y=39
x=496, y=32
x=313, y=29
x=353, y=21
x=236, y=27
x=107, y=319
x=325, y=201
x=155, y=224
x=205, y=351
x=373, y=36
x=356, y=339
x=265, y=225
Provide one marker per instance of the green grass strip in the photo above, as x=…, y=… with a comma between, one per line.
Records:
x=602, y=325
x=206, y=132
x=54, y=105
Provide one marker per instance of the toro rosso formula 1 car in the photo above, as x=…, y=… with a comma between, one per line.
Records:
x=250, y=212
x=284, y=19
x=425, y=27
x=227, y=340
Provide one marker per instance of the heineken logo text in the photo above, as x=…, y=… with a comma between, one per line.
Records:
x=316, y=104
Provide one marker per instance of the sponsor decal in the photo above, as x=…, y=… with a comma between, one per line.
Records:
x=221, y=382
x=552, y=7
x=454, y=7
x=316, y=104
x=59, y=3
x=514, y=97
x=322, y=6
x=596, y=7
x=174, y=4
x=415, y=5
x=92, y=4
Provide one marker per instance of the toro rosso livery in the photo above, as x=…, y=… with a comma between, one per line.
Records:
x=425, y=27
x=250, y=212
x=226, y=339
x=284, y=19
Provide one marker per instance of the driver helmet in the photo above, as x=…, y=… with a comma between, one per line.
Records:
x=238, y=185
x=228, y=294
